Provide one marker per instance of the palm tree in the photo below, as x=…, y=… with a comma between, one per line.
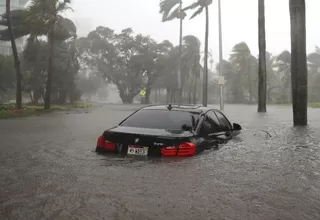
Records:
x=42, y=17
x=191, y=64
x=171, y=9
x=299, y=71
x=243, y=60
x=262, y=96
x=200, y=5
x=283, y=66
x=49, y=12
x=15, y=55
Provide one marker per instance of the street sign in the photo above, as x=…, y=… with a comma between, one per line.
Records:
x=221, y=80
x=143, y=92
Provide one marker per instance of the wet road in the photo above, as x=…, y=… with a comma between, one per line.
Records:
x=49, y=171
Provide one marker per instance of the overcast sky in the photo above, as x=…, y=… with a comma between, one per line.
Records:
x=240, y=22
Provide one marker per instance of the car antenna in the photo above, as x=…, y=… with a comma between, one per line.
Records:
x=169, y=107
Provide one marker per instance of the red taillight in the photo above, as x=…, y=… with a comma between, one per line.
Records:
x=102, y=143
x=183, y=150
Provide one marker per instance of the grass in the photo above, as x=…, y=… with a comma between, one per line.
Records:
x=314, y=105
x=310, y=105
x=8, y=110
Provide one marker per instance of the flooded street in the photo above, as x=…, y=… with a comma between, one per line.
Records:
x=49, y=170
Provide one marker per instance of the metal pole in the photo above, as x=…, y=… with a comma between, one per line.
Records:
x=220, y=58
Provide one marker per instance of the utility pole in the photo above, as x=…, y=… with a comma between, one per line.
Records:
x=221, y=78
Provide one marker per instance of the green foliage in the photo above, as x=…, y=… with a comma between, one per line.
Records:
x=36, y=20
x=241, y=76
x=7, y=73
x=130, y=61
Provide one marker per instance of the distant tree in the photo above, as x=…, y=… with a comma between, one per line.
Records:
x=191, y=65
x=245, y=64
x=89, y=85
x=314, y=75
x=132, y=62
x=283, y=69
x=7, y=73
x=234, y=83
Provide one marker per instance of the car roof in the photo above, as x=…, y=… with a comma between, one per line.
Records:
x=186, y=108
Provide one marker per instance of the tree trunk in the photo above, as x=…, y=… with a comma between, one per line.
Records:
x=299, y=71
x=62, y=97
x=179, y=60
x=262, y=96
x=147, y=96
x=16, y=57
x=249, y=78
x=195, y=90
x=168, y=95
x=36, y=96
x=126, y=98
x=206, y=46
x=47, y=99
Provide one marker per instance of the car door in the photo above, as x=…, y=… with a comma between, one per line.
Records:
x=209, y=127
x=225, y=125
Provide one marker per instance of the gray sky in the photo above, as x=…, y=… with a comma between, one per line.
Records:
x=240, y=22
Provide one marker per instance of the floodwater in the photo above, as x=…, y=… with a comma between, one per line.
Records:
x=49, y=170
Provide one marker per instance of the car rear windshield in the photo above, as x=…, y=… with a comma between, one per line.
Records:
x=161, y=119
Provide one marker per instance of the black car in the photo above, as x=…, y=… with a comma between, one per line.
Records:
x=168, y=130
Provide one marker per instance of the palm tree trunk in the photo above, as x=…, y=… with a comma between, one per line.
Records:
x=195, y=91
x=47, y=100
x=205, y=76
x=179, y=60
x=299, y=71
x=16, y=57
x=262, y=97
x=249, y=78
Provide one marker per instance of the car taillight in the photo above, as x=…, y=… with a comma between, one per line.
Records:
x=105, y=144
x=183, y=150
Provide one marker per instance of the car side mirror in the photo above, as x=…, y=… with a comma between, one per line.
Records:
x=237, y=127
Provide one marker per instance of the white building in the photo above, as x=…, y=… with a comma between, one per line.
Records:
x=5, y=47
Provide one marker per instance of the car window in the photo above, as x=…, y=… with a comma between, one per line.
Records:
x=224, y=123
x=210, y=124
x=160, y=119
x=215, y=125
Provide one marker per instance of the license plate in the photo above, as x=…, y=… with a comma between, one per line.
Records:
x=138, y=150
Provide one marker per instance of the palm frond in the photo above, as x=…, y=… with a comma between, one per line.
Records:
x=192, y=41
x=199, y=11
x=192, y=6
x=284, y=56
x=174, y=14
x=166, y=8
x=18, y=17
x=19, y=31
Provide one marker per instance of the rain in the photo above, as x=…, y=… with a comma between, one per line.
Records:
x=70, y=70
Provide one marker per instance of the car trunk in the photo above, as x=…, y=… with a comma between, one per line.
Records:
x=153, y=139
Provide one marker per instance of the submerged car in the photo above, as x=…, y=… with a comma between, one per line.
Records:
x=168, y=130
